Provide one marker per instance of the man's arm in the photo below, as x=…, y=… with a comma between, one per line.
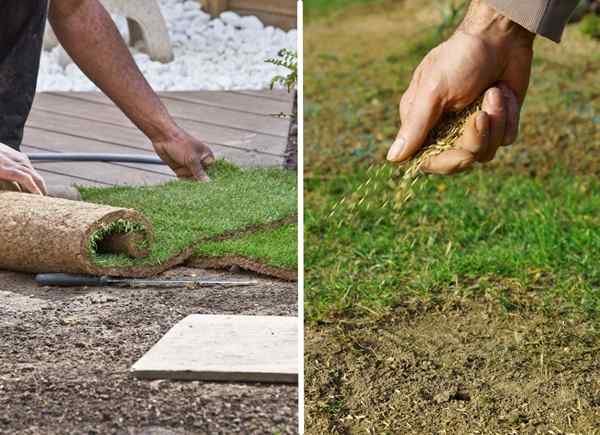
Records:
x=88, y=34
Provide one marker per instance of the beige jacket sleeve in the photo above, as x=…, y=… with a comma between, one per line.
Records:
x=543, y=17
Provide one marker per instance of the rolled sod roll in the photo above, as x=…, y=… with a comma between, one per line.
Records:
x=46, y=235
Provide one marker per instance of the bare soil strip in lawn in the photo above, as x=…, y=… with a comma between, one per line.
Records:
x=464, y=367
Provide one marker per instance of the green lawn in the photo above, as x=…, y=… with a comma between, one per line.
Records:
x=184, y=212
x=475, y=235
x=524, y=230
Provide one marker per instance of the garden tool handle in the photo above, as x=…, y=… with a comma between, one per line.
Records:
x=67, y=280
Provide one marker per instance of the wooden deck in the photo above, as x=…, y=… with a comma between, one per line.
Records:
x=242, y=127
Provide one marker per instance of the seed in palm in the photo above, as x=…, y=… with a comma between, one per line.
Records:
x=389, y=185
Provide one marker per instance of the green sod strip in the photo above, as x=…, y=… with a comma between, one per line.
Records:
x=184, y=212
x=473, y=233
x=275, y=247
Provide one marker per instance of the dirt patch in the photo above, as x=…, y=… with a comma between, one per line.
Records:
x=463, y=368
x=65, y=360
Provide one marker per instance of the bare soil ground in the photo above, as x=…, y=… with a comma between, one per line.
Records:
x=65, y=355
x=461, y=368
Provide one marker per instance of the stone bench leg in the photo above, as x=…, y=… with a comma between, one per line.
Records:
x=214, y=7
x=145, y=22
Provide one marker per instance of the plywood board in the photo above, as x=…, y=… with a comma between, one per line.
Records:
x=225, y=348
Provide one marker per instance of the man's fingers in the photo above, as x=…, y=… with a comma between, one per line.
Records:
x=39, y=181
x=476, y=135
x=449, y=162
x=472, y=144
x=513, y=114
x=493, y=105
x=197, y=170
x=24, y=179
x=422, y=116
x=407, y=101
x=208, y=159
x=26, y=166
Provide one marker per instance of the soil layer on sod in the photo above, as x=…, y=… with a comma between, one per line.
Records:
x=272, y=252
x=113, y=232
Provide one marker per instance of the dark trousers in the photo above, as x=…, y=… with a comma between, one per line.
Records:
x=22, y=24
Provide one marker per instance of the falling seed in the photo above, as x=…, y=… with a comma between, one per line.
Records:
x=400, y=183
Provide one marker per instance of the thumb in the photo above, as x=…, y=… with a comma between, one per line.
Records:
x=197, y=169
x=422, y=116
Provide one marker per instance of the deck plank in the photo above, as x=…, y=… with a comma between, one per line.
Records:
x=184, y=113
x=109, y=127
x=60, y=179
x=57, y=142
x=105, y=173
x=225, y=100
x=239, y=127
x=275, y=95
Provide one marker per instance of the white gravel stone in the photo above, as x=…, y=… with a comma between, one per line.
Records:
x=225, y=53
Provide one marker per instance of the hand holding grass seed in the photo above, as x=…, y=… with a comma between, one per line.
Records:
x=488, y=53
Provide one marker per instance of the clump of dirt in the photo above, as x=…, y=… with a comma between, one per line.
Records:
x=458, y=369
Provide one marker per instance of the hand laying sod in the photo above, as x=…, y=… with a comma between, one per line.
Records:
x=15, y=167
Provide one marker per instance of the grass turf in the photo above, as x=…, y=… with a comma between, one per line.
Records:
x=525, y=224
x=274, y=247
x=183, y=212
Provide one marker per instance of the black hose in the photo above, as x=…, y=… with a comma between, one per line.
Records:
x=95, y=157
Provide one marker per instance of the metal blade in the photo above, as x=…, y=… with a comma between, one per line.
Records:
x=180, y=283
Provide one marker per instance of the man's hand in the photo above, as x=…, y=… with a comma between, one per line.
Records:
x=186, y=155
x=487, y=52
x=16, y=167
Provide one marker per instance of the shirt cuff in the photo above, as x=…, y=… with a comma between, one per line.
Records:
x=544, y=17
